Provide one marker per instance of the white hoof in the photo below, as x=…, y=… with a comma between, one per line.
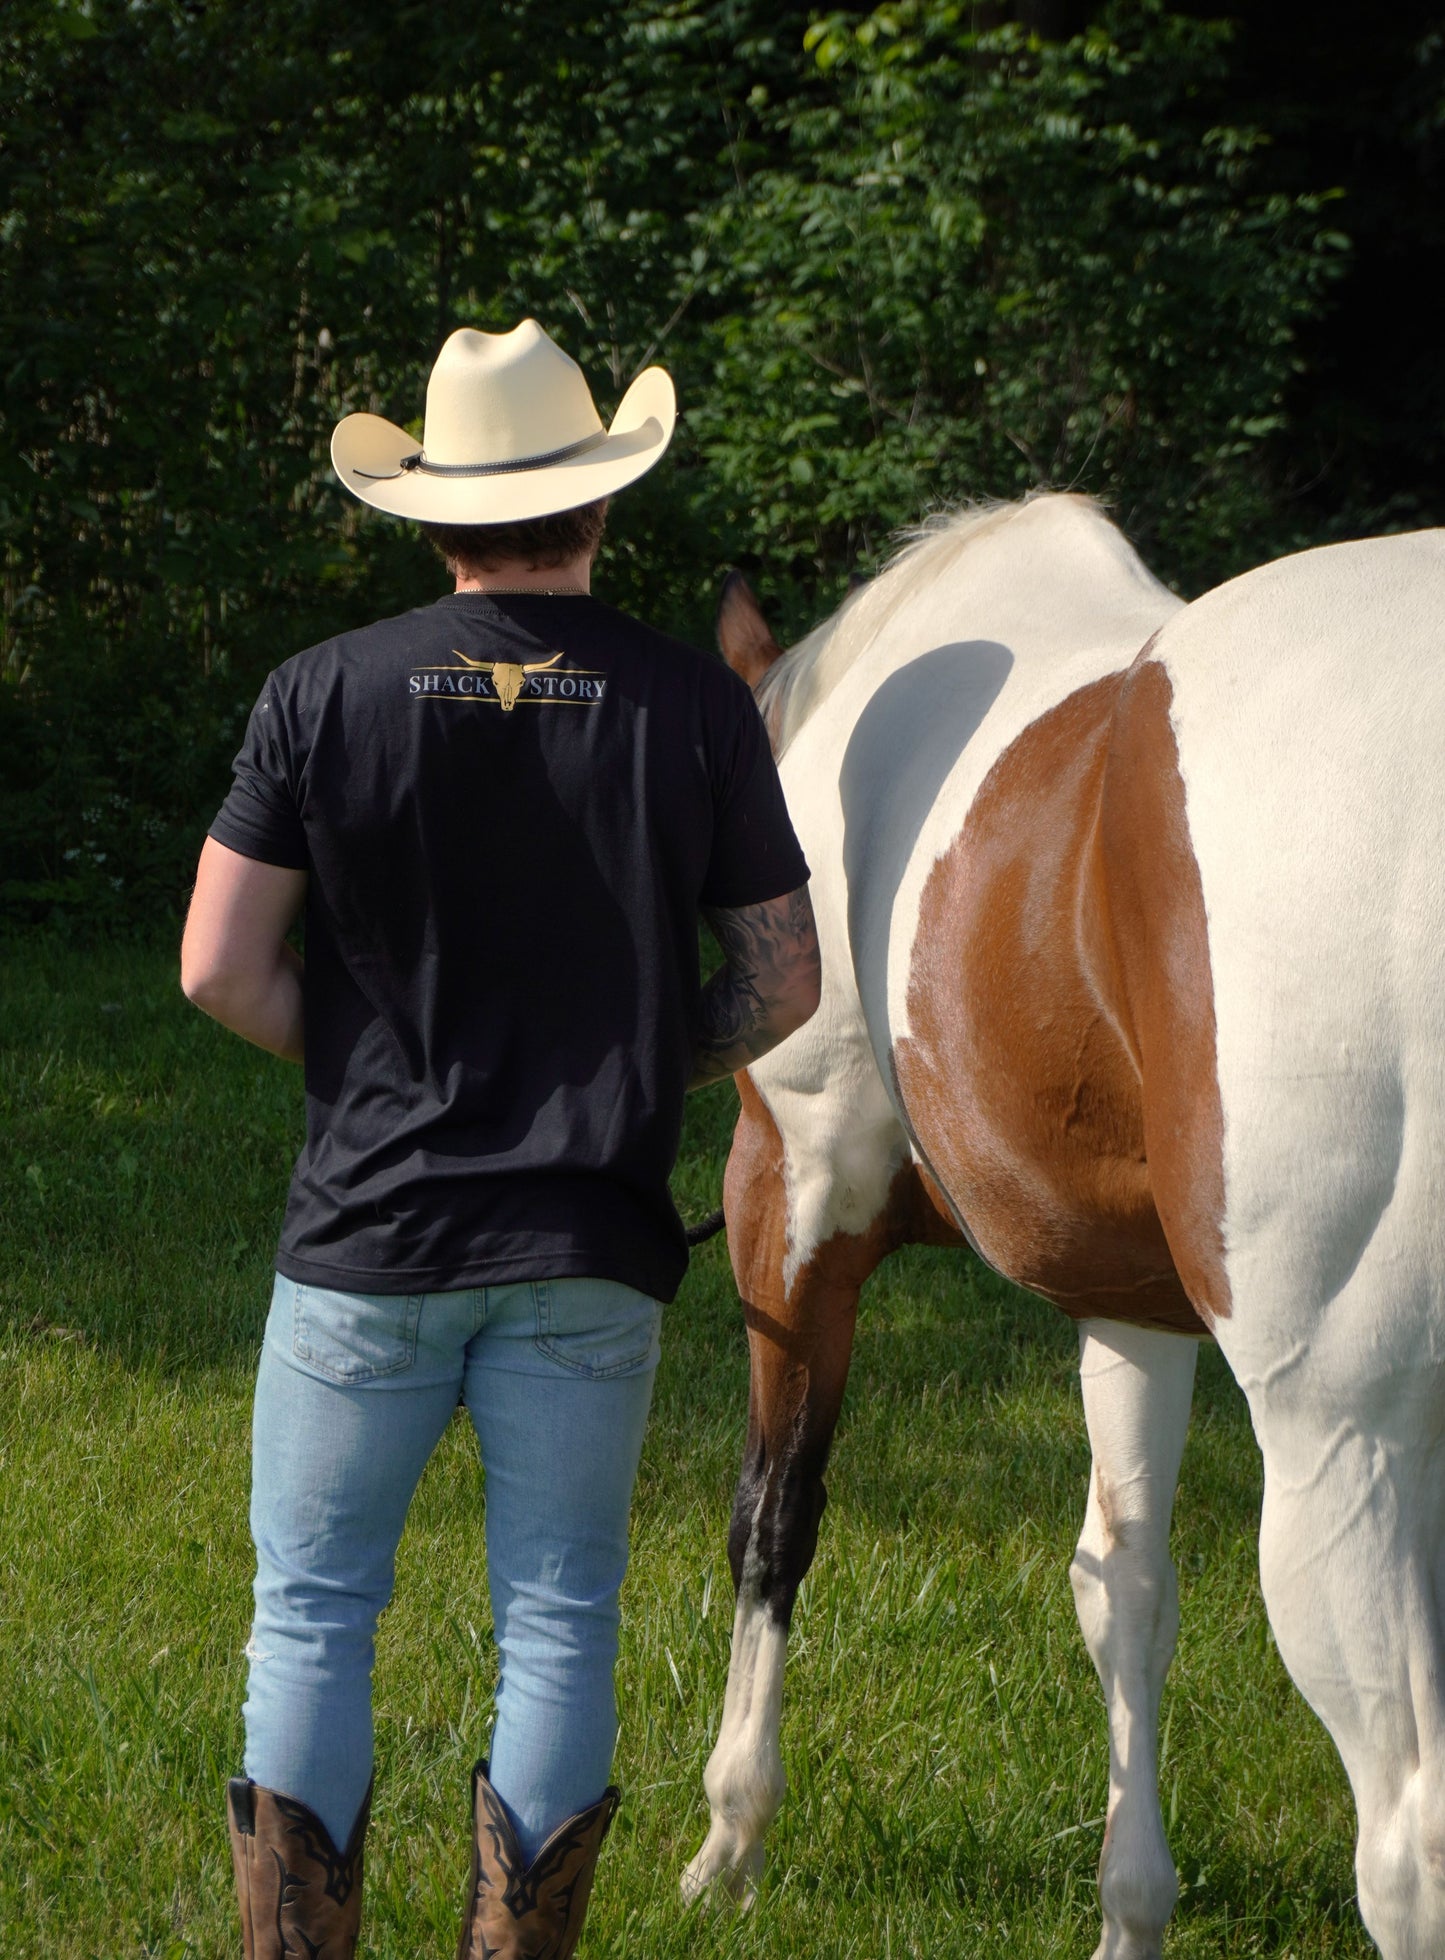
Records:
x=1119, y=1943
x=725, y=1871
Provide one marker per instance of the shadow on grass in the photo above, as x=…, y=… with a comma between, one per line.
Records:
x=1234, y=1897
x=1282, y=1902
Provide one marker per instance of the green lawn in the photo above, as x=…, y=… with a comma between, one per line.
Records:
x=943, y=1732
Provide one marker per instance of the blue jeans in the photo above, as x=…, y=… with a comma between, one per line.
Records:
x=353, y=1393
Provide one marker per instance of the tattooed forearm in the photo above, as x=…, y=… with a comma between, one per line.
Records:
x=767, y=987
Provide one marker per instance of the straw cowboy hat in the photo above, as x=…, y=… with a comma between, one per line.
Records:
x=511, y=432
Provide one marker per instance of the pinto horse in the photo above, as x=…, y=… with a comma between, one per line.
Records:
x=1133, y=980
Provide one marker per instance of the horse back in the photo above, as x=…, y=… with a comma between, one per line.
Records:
x=1174, y=1021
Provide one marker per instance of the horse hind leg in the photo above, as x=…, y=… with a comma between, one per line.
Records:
x=1137, y=1387
x=1354, y=1579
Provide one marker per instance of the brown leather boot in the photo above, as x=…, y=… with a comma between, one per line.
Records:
x=298, y=1895
x=534, y=1914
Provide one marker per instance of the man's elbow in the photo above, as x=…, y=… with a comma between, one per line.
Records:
x=210, y=984
x=200, y=985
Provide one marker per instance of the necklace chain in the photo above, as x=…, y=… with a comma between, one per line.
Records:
x=524, y=591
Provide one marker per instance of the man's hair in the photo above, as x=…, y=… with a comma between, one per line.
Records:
x=538, y=542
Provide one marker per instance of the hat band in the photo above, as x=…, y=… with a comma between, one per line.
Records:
x=418, y=462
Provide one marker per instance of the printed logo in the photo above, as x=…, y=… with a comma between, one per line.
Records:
x=504, y=683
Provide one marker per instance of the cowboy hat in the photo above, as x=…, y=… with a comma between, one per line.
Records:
x=511, y=432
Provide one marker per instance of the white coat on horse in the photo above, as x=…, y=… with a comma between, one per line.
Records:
x=1132, y=918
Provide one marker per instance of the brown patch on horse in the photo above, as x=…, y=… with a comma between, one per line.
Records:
x=743, y=634
x=931, y=1220
x=800, y=1344
x=1161, y=944
x=1021, y=1077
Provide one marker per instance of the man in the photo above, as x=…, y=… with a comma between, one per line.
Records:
x=503, y=813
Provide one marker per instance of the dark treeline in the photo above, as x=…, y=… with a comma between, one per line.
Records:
x=895, y=258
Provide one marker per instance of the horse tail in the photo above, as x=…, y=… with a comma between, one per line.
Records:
x=706, y=1228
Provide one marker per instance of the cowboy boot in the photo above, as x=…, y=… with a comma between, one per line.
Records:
x=299, y=1896
x=536, y=1913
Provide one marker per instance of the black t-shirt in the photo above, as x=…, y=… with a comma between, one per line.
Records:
x=510, y=809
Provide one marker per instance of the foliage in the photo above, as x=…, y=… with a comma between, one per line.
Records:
x=892, y=262
x=990, y=264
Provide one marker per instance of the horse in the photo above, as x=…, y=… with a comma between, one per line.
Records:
x=1132, y=915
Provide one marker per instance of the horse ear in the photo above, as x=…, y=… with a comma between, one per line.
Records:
x=742, y=632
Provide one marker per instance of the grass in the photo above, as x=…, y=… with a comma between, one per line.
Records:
x=943, y=1731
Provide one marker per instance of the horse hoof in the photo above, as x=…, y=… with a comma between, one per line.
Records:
x=1119, y=1944
x=723, y=1876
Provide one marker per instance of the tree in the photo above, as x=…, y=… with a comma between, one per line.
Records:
x=895, y=257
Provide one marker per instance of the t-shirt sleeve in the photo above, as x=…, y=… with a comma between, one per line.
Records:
x=755, y=852
x=260, y=818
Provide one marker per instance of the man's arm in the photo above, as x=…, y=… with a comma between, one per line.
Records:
x=235, y=963
x=768, y=985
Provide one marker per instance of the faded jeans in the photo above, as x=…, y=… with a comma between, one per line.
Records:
x=352, y=1396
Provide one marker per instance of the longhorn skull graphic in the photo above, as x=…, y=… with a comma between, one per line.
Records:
x=507, y=675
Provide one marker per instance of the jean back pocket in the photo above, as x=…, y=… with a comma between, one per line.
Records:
x=597, y=1327
x=355, y=1337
